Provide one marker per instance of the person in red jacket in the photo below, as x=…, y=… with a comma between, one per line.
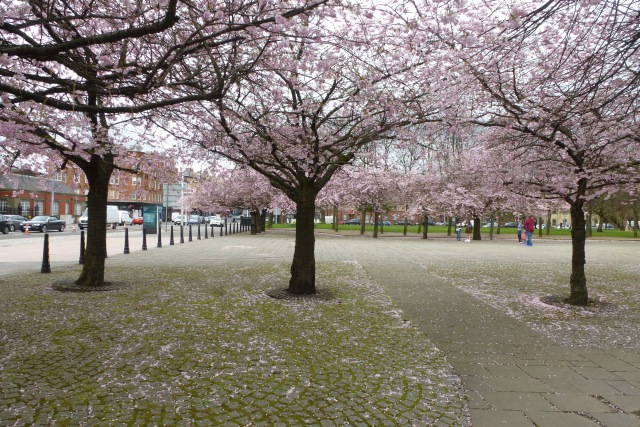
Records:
x=529, y=227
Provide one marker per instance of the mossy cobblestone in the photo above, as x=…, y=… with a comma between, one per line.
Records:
x=208, y=347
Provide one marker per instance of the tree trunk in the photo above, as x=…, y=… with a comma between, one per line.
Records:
x=635, y=222
x=539, y=226
x=425, y=233
x=335, y=218
x=270, y=222
x=578, y=280
x=491, y=226
x=449, y=226
x=263, y=221
x=98, y=174
x=476, y=228
x=255, y=217
x=548, y=223
x=303, y=267
x=375, y=225
x=363, y=220
x=588, y=225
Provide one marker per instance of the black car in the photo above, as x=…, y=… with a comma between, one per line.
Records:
x=14, y=221
x=352, y=221
x=44, y=223
x=402, y=221
x=4, y=225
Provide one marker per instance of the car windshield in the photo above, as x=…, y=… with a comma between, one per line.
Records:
x=40, y=218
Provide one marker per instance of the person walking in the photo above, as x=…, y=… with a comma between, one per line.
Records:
x=529, y=227
x=519, y=232
x=458, y=231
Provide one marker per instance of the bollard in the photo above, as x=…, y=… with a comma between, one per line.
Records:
x=199, y=232
x=171, y=239
x=46, y=267
x=206, y=227
x=181, y=234
x=190, y=234
x=81, y=260
x=159, y=238
x=212, y=233
x=221, y=229
x=126, y=240
x=226, y=228
x=144, y=239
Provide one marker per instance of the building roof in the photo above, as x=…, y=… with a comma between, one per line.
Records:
x=17, y=182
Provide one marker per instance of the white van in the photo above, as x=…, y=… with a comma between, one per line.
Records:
x=113, y=218
x=124, y=218
x=217, y=221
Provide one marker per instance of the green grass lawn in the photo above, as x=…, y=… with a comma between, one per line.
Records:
x=413, y=229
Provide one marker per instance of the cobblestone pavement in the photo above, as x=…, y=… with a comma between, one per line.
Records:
x=191, y=339
x=186, y=340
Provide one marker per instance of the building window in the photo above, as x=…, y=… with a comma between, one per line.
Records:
x=66, y=208
x=3, y=206
x=133, y=195
x=112, y=194
x=112, y=180
x=55, y=209
x=24, y=207
x=78, y=209
x=38, y=207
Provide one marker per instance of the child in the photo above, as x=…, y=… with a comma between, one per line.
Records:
x=519, y=232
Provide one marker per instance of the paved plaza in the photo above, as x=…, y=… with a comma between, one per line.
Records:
x=403, y=332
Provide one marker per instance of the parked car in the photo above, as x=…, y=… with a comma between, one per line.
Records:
x=217, y=221
x=385, y=223
x=194, y=219
x=4, y=225
x=352, y=221
x=177, y=220
x=43, y=224
x=605, y=226
x=137, y=220
x=402, y=222
x=510, y=225
x=14, y=221
x=488, y=225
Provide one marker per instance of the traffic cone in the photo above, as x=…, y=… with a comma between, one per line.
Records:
x=26, y=229
x=74, y=228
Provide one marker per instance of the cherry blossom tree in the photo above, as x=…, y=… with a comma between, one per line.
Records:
x=321, y=93
x=556, y=87
x=76, y=75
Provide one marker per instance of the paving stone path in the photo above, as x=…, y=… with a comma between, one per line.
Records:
x=511, y=374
